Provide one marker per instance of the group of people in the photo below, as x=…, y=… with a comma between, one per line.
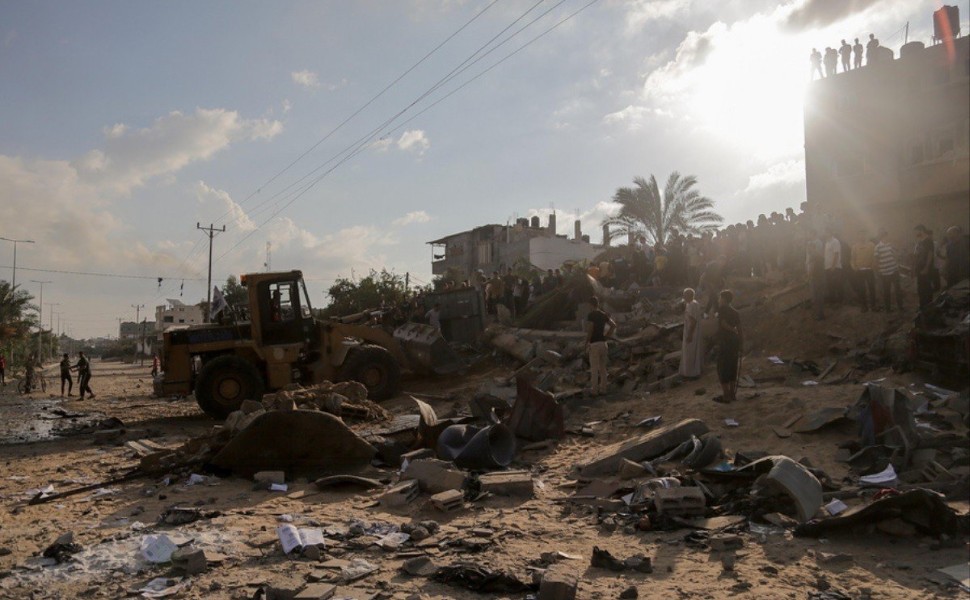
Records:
x=790, y=245
x=850, y=55
x=83, y=368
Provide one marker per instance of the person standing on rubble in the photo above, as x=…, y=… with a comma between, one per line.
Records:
x=66, y=375
x=814, y=266
x=863, y=261
x=434, y=316
x=923, y=267
x=833, y=267
x=728, y=346
x=957, y=262
x=888, y=269
x=83, y=368
x=599, y=326
x=692, y=350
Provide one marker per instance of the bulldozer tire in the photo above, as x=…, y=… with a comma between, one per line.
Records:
x=224, y=383
x=376, y=369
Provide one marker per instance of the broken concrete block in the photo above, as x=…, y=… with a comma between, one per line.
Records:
x=264, y=479
x=557, y=584
x=296, y=441
x=417, y=454
x=508, y=483
x=516, y=347
x=680, y=501
x=448, y=501
x=797, y=482
x=644, y=447
x=316, y=591
x=630, y=470
x=434, y=475
x=190, y=560
x=400, y=494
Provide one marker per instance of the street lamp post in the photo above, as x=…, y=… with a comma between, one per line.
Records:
x=40, y=319
x=13, y=282
x=52, y=305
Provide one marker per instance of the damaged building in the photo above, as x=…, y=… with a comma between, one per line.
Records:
x=497, y=247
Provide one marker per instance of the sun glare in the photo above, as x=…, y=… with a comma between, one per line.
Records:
x=750, y=91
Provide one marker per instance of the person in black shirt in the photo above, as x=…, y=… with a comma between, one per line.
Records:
x=923, y=267
x=84, y=376
x=597, y=323
x=729, y=346
x=66, y=375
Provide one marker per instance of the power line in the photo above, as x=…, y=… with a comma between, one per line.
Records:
x=357, y=147
x=94, y=274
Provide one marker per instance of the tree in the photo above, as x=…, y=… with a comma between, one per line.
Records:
x=234, y=293
x=656, y=215
x=348, y=296
x=15, y=321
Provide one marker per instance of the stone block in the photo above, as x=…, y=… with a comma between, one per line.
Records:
x=316, y=591
x=191, y=561
x=401, y=494
x=435, y=475
x=448, y=501
x=643, y=447
x=557, y=584
x=268, y=478
x=508, y=483
x=680, y=501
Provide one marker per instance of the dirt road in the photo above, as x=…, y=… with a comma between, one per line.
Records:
x=238, y=530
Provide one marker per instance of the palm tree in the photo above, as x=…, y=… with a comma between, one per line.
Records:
x=14, y=320
x=645, y=211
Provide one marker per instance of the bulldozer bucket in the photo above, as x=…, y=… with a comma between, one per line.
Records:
x=426, y=350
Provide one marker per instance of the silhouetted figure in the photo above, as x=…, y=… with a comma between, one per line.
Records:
x=871, y=46
x=857, y=54
x=816, y=60
x=831, y=61
x=845, y=51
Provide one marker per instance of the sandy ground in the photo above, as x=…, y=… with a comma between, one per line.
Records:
x=109, y=525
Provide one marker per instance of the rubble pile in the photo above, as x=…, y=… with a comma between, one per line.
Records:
x=347, y=399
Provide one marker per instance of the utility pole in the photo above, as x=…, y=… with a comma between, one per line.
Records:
x=211, y=231
x=52, y=305
x=40, y=320
x=13, y=282
x=137, y=308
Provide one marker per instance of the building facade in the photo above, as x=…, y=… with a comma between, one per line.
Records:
x=888, y=145
x=177, y=313
x=498, y=247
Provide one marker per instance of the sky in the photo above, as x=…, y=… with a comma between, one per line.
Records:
x=346, y=135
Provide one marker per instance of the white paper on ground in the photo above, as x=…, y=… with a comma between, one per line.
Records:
x=289, y=537
x=157, y=548
x=731, y=423
x=887, y=475
x=277, y=487
x=312, y=537
x=836, y=507
x=810, y=382
x=195, y=479
x=161, y=587
x=776, y=360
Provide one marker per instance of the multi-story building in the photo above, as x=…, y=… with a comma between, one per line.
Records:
x=177, y=313
x=888, y=145
x=497, y=247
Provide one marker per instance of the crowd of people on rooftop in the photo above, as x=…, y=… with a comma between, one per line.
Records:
x=850, y=55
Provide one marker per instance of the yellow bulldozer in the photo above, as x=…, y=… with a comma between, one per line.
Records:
x=274, y=341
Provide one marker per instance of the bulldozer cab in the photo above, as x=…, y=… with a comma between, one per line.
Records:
x=280, y=309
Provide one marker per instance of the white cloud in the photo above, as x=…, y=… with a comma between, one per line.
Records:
x=234, y=214
x=286, y=105
x=418, y=216
x=333, y=87
x=305, y=78
x=131, y=157
x=414, y=140
x=642, y=12
x=786, y=173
